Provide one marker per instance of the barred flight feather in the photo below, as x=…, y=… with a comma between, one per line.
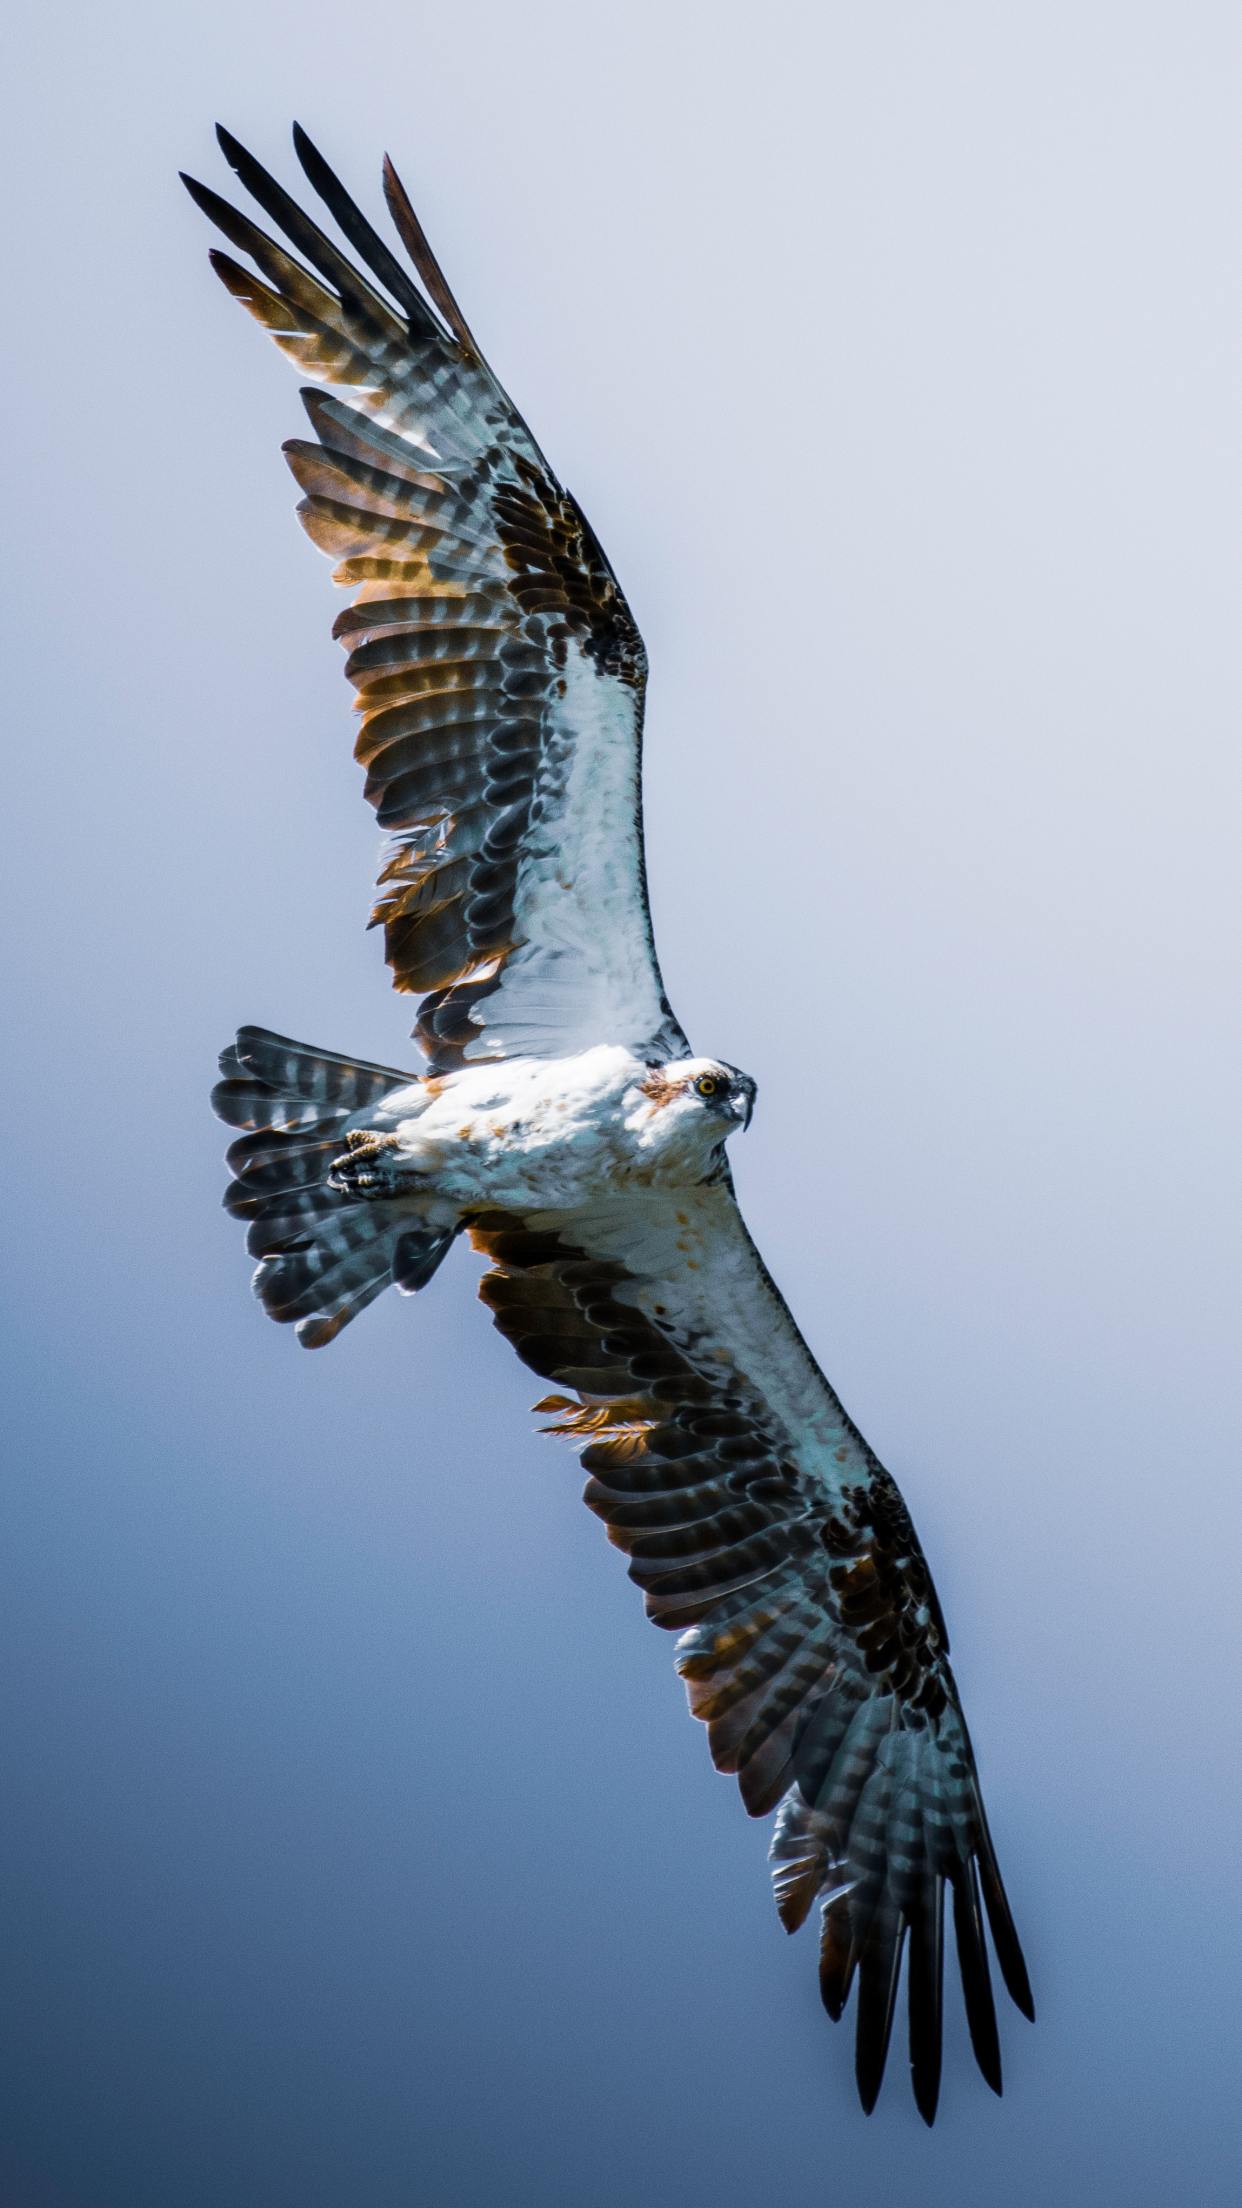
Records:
x=428, y=490
x=812, y=1644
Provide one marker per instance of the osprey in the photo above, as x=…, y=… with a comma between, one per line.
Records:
x=563, y=1123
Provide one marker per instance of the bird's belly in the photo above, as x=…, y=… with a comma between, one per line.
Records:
x=545, y=1160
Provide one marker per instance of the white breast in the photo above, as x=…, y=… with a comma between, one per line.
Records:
x=523, y=1133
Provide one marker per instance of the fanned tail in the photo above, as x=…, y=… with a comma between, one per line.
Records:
x=324, y=1251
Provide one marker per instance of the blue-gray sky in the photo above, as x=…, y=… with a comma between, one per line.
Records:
x=355, y=1845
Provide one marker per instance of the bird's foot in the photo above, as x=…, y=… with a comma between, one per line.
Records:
x=365, y=1166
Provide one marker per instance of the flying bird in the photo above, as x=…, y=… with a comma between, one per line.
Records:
x=563, y=1122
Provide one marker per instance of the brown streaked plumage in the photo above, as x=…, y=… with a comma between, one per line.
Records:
x=661, y=1086
x=566, y=1127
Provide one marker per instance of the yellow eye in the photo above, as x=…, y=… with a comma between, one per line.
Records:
x=708, y=1084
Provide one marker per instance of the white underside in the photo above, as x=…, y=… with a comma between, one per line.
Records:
x=552, y=1134
x=586, y=965
x=577, y=1145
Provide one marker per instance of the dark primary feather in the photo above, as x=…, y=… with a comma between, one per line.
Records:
x=365, y=240
x=976, y=1978
x=813, y=1647
x=925, y=1968
x=481, y=591
x=342, y=274
x=414, y=239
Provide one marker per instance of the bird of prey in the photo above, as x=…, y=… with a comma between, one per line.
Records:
x=562, y=1121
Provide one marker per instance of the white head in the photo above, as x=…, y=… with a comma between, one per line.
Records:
x=696, y=1103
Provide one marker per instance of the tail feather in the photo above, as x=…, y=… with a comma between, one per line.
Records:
x=269, y=1082
x=324, y=1252
x=268, y=1165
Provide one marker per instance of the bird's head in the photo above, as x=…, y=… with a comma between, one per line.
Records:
x=701, y=1098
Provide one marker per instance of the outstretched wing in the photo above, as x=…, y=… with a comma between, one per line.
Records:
x=498, y=670
x=759, y=1524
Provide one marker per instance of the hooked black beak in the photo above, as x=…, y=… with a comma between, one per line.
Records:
x=744, y=1104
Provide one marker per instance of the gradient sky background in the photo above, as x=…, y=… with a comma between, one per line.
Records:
x=357, y=1851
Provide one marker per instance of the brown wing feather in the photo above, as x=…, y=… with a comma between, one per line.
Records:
x=813, y=1647
x=485, y=609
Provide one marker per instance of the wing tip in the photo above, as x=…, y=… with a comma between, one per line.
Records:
x=207, y=201
x=232, y=148
x=926, y=2100
x=431, y=275
x=1009, y=1955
